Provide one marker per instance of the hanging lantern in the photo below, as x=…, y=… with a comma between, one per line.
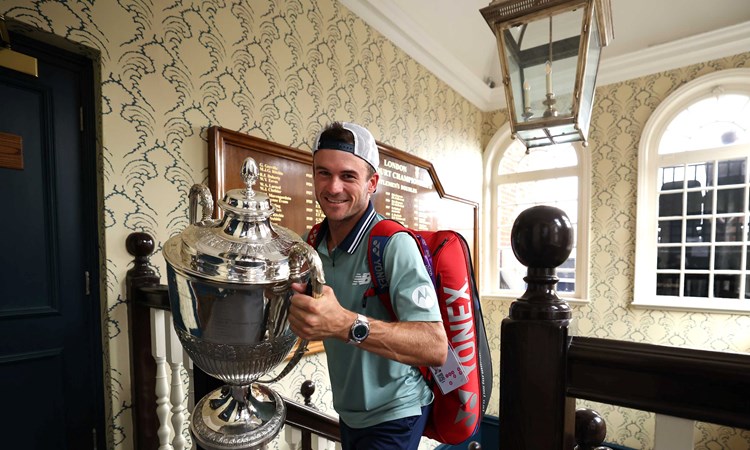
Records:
x=549, y=53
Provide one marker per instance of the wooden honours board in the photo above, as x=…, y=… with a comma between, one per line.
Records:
x=408, y=191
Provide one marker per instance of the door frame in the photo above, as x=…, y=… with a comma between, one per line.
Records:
x=87, y=62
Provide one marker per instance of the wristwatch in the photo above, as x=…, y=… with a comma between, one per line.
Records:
x=360, y=330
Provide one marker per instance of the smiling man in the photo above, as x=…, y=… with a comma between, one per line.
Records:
x=381, y=397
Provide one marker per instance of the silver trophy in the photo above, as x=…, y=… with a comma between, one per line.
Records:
x=229, y=289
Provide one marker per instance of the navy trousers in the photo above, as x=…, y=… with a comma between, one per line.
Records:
x=392, y=435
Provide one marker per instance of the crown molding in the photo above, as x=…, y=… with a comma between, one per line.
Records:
x=696, y=49
x=386, y=17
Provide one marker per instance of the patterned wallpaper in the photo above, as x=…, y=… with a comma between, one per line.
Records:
x=279, y=70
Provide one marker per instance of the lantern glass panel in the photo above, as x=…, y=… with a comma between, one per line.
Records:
x=557, y=134
x=589, y=77
x=532, y=134
x=543, y=71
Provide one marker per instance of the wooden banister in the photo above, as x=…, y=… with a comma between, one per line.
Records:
x=311, y=422
x=701, y=385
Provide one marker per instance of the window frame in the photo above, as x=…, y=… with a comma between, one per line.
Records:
x=644, y=286
x=494, y=152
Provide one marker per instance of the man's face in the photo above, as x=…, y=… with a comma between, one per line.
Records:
x=342, y=185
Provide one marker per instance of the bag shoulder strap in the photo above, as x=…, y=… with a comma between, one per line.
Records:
x=313, y=237
x=379, y=235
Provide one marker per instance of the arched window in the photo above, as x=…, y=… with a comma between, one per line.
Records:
x=517, y=179
x=694, y=198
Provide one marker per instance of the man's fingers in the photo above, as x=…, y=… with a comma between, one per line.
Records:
x=300, y=287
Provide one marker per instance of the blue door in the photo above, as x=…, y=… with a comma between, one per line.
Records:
x=51, y=378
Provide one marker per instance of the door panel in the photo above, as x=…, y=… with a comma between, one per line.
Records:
x=35, y=418
x=50, y=332
x=28, y=267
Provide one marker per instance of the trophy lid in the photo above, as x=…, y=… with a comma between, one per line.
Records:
x=242, y=247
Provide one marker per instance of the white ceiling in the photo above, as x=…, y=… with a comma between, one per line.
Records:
x=452, y=40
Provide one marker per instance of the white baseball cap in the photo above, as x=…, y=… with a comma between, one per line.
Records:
x=364, y=144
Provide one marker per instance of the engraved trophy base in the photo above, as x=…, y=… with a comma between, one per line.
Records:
x=238, y=418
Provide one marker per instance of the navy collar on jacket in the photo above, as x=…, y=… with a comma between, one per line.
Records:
x=358, y=233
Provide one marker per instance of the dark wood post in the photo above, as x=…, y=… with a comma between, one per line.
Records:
x=534, y=410
x=142, y=365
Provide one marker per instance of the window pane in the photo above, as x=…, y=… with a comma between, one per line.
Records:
x=668, y=258
x=556, y=192
x=730, y=200
x=728, y=257
x=702, y=173
x=731, y=172
x=668, y=284
x=670, y=231
x=729, y=229
x=519, y=160
x=698, y=230
x=671, y=177
x=517, y=197
x=727, y=286
x=511, y=271
x=695, y=203
x=567, y=277
x=670, y=204
x=708, y=202
x=696, y=285
x=697, y=257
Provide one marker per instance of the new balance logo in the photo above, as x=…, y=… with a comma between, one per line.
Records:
x=361, y=278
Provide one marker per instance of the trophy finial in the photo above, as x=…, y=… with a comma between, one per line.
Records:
x=249, y=174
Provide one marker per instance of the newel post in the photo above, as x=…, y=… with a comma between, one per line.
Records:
x=534, y=410
x=142, y=365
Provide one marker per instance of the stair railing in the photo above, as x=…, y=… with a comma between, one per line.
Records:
x=543, y=369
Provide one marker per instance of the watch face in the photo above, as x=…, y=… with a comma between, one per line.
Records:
x=360, y=331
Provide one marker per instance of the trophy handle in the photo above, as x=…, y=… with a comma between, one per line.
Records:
x=300, y=254
x=199, y=194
